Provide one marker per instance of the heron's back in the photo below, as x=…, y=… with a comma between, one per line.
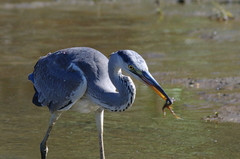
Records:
x=94, y=65
x=61, y=78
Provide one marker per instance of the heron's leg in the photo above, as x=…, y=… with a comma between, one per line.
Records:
x=99, y=114
x=43, y=145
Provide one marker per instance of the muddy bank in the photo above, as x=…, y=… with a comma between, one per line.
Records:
x=224, y=83
x=223, y=91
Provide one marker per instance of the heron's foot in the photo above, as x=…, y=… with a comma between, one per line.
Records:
x=43, y=150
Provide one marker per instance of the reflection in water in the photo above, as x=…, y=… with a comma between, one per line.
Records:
x=177, y=49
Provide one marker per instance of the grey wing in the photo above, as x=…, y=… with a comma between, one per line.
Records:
x=58, y=82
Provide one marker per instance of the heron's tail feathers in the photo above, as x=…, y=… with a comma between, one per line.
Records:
x=35, y=98
x=36, y=94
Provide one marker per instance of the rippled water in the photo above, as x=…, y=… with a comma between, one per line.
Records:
x=181, y=46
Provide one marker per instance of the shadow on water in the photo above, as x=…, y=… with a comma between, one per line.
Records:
x=196, y=60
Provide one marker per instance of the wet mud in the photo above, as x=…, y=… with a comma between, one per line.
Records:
x=223, y=92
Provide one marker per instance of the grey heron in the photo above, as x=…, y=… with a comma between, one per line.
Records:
x=85, y=78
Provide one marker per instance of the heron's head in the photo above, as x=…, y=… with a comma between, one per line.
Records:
x=132, y=63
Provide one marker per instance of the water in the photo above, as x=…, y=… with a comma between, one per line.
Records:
x=195, y=59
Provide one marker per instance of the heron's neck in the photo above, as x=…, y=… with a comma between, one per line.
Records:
x=126, y=91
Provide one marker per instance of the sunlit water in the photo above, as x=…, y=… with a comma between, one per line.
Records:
x=179, y=45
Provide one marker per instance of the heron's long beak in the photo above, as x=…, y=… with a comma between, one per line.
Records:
x=152, y=83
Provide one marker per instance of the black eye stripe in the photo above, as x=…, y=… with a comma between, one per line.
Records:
x=124, y=56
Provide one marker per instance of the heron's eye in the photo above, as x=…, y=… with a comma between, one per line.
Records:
x=131, y=67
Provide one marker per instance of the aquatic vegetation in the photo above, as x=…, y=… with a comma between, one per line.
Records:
x=215, y=118
x=221, y=14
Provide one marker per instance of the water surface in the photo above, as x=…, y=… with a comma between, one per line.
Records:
x=195, y=59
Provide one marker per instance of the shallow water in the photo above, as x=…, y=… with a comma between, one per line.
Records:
x=195, y=59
